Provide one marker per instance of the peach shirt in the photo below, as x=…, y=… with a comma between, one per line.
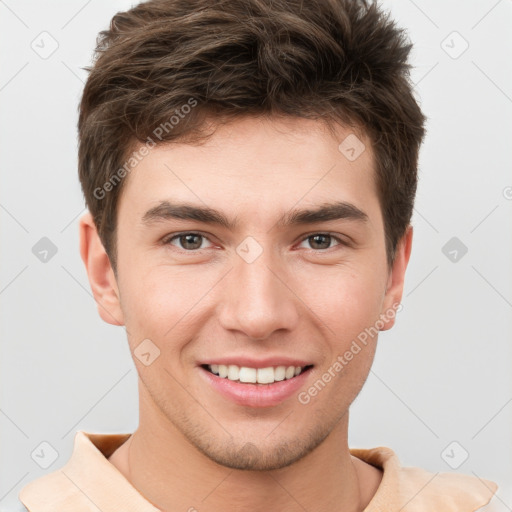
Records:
x=88, y=482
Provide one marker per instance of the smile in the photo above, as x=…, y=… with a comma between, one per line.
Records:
x=256, y=383
x=248, y=375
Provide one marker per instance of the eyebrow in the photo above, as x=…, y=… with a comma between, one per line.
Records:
x=166, y=210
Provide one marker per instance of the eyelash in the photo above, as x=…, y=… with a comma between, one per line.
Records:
x=167, y=240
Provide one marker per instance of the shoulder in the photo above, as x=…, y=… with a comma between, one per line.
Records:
x=47, y=492
x=454, y=491
x=495, y=505
x=414, y=489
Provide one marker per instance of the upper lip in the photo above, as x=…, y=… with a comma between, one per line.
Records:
x=257, y=363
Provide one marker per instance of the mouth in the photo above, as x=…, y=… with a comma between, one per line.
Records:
x=266, y=386
x=249, y=375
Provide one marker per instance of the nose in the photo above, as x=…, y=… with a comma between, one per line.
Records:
x=259, y=298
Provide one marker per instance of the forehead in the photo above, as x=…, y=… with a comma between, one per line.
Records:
x=258, y=167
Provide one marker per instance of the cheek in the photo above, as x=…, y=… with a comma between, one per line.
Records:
x=161, y=302
x=350, y=309
x=346, y=299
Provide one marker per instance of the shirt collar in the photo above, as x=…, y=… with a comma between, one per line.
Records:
x=88, y=482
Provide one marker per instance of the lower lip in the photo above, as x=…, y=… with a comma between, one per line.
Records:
x=255, y=395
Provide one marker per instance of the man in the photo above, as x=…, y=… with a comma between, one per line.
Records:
x=250, y=168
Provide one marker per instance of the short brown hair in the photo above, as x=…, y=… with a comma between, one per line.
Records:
x=338, y=60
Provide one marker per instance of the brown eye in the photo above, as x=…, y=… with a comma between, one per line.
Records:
x=187, y=241
x=322, y=241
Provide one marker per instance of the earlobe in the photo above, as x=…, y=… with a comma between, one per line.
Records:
x=395, y=284
x=99, y=270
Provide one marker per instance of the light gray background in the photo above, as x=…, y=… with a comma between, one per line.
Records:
x=442, y=374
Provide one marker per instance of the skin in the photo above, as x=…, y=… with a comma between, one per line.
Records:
x=194, y=447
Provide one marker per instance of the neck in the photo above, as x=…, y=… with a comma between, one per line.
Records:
x=173, y=475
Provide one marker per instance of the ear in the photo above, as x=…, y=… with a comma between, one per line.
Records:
x=101, y=275
x=395, y=284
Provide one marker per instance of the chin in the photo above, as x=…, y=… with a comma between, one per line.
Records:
x=264, y=456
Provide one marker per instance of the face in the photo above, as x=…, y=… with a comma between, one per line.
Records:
x=251, y=286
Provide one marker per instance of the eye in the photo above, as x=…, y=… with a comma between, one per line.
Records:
x=188, y=241
x=322, y=241
x=192, y=241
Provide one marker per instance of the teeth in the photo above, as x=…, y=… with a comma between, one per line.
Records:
x=290, y=372
x=279, y=373
x=267, y=375
x=247, y=374
x=233, y=372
